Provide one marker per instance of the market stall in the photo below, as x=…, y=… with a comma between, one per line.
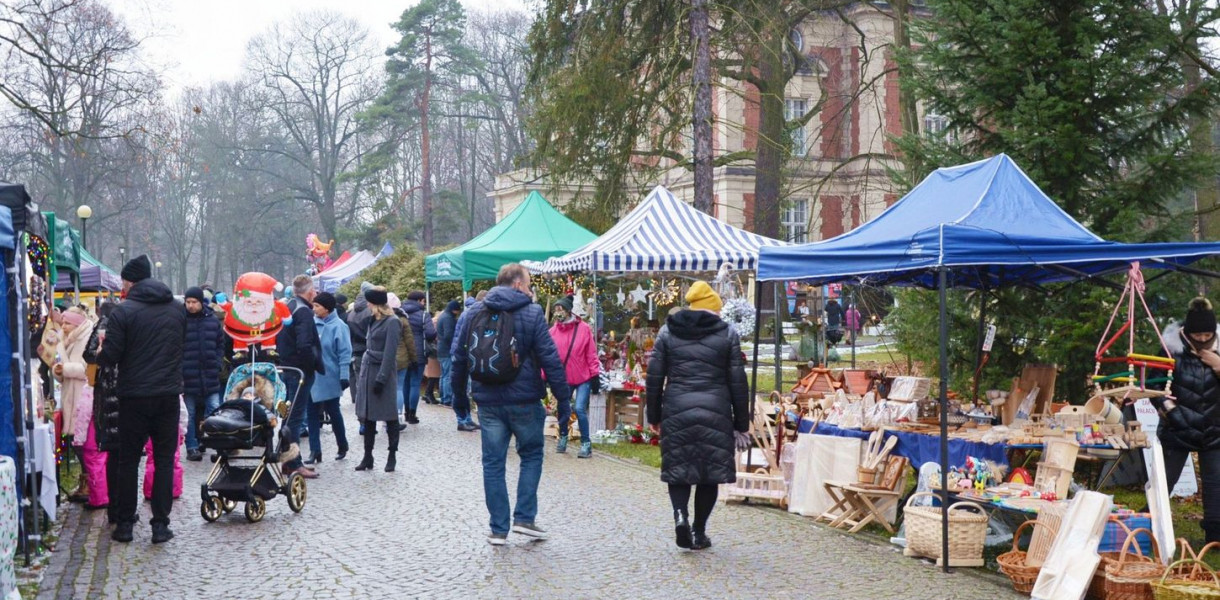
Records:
x=93, y=276
x=668, y=239
x=533, y=231
x=332, y=278
x=981, y=225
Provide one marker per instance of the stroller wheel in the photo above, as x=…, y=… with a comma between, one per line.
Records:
x=228, y=505
x=296, y=493
x=256, y=510
x=211, y=509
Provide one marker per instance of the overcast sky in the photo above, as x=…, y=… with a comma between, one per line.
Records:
x=200, y=41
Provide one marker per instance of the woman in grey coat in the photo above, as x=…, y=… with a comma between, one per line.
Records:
x=377, y=388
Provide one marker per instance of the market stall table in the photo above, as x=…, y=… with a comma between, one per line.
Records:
x=919, y=448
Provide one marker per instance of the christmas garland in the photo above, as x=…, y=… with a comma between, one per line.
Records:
x=739, y=313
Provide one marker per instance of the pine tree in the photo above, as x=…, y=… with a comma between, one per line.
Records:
x=1088, y=97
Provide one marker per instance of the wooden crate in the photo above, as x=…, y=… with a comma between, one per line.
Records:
x=620, y=410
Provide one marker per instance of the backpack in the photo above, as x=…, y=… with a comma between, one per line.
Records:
x=493, y=349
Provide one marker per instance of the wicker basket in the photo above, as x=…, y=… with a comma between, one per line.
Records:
x=1097, y=588
x=1012, y=564
x=967, y=531
x=1169, y=588
x=1130, y=577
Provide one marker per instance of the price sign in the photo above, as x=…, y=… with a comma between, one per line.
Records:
x=989, y=339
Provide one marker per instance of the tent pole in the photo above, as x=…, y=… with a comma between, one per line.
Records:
x=942, y=278
x=779, y=373
x=978, y=357
x=851, y=303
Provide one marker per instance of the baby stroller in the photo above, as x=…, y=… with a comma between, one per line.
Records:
x=255, y=396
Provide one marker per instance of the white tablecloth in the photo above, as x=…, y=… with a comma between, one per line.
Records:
x=43, y=446
x=8, y=525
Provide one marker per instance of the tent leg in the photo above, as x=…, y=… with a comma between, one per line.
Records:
x=978, y=357
x=779, y=363
x=942, y=278
x=754, y=365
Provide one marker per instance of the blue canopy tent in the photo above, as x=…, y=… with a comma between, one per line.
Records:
x=981, y=225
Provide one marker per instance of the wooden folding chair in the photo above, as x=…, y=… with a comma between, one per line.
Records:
x=858, y=504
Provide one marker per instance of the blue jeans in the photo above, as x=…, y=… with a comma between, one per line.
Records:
x=415, y=378
x=209, y=402
x=580, y=397
x=525, y=422
x=446, y=381
x=296, y=415
x=402, y=388
x=330, y=407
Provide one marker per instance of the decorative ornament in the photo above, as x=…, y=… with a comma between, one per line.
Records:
x=639, y=295
x=620, y=297
x=666, y=294
x=739, y=313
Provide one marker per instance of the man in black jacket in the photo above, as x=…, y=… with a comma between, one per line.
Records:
x=299, y=347
x=202, y=357
x=144, y=339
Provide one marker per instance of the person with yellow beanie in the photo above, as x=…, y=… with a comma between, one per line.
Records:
x=698, y=401
x=701, y=296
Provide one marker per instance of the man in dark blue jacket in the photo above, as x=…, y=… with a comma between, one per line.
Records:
x=202, y=356
x=299, y=347
x=144, y=338
x=424, y=332
x=512, y=409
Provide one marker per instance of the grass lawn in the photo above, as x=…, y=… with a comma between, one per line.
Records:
x=644, y=454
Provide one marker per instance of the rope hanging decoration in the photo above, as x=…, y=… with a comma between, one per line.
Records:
x=1135, y=378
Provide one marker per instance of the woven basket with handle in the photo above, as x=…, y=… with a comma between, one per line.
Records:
x=1131, y=576
x=967, y=529
x=1168, y=587
x=1012, y=563
x=1097, y=588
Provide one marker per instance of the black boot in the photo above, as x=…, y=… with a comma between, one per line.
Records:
x=391, y=460
x=682, y=534
x=370, y=435
x=700, y=541
x=411, y=418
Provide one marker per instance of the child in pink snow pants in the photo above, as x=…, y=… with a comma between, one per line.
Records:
x=150, y=471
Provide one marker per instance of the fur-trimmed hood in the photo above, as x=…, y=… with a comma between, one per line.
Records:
x=1172, y=337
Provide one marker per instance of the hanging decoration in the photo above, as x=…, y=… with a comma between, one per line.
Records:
x=639, y=295
x=620, y=297
x=666, y=293
x=40, y=256
x=739, y=313
x=564, y=285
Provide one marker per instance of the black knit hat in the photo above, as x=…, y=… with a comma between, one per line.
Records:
x=453, y=306
x=566, y=302
x=194, y=292
x=380, y=297
x=327, y=300
x=417, y=296
x=1200, y=318
x=137, y=269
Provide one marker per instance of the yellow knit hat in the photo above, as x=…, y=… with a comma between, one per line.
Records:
x=701, y=296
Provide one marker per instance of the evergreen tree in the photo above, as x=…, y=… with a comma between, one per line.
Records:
x=1088, y=97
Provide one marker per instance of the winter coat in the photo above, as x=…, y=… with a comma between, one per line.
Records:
x=144, y=339
x=379, y=367
x=336, y=344
x=576, y=348
x=358, y=324
x=445, y=327
x=297, y=343
x=73, y=381
x=697, y=392
x=1194, y=424
x=536, y=348
x=202, y=353
x=405, y=356
x=852, y=319
x=105, y=400
x=834, y=314
x=421, y=328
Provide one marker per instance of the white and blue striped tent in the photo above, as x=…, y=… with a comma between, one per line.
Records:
x=662, y=234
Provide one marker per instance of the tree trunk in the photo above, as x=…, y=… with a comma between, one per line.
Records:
x=908, y=113
x=425, y=148
x=702, y=124
x=772, y=138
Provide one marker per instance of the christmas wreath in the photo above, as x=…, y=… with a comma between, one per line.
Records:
x=739, y=313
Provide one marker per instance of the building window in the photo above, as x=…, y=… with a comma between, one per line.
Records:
x=795, y=221
x=794, y=108
x=934, y=125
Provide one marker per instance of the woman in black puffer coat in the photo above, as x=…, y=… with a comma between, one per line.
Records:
x=1190, y=421
x=105, y=401
x=698, y=399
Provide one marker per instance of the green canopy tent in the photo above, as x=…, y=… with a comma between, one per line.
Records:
x=534, y=231
x=65, y=248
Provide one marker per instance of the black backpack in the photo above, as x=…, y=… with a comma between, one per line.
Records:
x=493, y=349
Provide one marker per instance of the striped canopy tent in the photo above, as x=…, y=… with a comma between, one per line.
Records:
x=662, y=234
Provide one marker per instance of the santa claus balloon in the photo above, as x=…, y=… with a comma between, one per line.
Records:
x=254, y=315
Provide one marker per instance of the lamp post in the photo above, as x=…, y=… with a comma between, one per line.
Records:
x=84, y=212
x=157, y=272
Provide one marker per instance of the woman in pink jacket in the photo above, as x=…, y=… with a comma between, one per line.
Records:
x=578, y=351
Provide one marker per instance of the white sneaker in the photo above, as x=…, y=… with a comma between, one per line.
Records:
x=497, y=539
x=529, y=529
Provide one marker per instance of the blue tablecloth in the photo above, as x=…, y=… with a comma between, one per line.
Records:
x=920, y=448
